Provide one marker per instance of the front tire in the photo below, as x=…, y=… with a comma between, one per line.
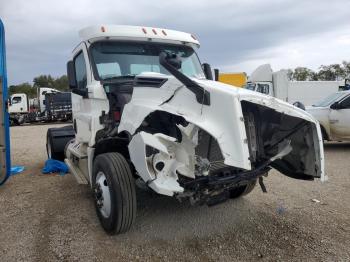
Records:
x=242, y=190
x=115, y=195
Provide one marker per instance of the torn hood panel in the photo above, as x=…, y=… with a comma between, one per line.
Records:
x=223, y=118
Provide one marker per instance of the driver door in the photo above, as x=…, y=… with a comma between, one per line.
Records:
x=81, y=106
x=4, y=117
x=339, y=120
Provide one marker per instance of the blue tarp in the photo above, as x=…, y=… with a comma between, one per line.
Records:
x=54, y=166
x=16, y=170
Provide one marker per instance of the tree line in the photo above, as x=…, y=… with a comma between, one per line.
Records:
x=331, y=72
x=59, y=83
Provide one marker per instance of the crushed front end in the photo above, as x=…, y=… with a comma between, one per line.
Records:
x=184, y=149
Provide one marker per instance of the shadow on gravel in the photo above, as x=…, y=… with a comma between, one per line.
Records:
x=161, y=217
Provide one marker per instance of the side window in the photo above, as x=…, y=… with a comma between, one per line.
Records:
x=346, y=103
x=16, y=100
x=263, y=88
x=80, y=70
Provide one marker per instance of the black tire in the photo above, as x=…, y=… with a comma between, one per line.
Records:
x=121, y=189
x=242, y=190
x=14, y=122
x=324, y=134
x=56, y=141
x=50, y=148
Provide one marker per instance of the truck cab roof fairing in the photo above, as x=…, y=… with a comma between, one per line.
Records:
x=93, y=33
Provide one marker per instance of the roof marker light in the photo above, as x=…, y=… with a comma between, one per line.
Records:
x=164, y=33
x=103, y=29
x=193, y=37
x=154, y=31
x=144, y=30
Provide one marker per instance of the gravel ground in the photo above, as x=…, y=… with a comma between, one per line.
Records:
x=51, y=218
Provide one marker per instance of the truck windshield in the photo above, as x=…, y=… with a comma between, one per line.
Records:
x=328, y=100
x=127, y=59
x=250, y=86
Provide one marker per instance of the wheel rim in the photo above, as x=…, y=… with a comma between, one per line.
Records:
x=102, y=195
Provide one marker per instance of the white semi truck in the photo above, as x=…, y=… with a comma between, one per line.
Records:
x=146, y=110
x=49, y=105
x=277, y=84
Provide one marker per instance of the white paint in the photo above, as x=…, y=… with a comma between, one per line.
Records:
x=223, y=119
x=136, y=33
x=279, y=86
x=336, y=122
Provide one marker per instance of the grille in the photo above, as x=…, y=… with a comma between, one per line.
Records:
x=209, y=148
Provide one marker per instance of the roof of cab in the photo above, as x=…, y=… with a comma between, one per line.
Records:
x=137, y=33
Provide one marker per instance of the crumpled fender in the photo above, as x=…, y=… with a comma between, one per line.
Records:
x=223, y=119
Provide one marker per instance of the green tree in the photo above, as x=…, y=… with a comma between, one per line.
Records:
x=61, y=83
x=43, y=81
x=302, y=74
x=332, y=72
x=346, y=68
x=25, y=88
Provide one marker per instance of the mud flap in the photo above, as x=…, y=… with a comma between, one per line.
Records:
x=4, y=116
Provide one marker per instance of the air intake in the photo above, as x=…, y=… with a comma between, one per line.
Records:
x=149, y=82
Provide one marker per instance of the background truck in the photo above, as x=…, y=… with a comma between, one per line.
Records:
x=147, y=113
x=49, y=105
x=277, y=84
x=234, y=79
x=5, y=157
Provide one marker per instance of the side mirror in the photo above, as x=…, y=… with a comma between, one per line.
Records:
x=216, y=74
x=207, y=71
x=174, y=60
x=72, y=81
x=169, y=62
x=347, y=84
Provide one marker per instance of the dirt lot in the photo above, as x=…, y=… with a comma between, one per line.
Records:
x=50, y=217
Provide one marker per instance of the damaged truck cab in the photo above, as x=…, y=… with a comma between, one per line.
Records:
x=147, y=112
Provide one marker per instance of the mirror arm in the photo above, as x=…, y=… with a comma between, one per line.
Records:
x=202, y=95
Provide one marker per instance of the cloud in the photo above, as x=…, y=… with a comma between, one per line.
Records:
x=235, y=35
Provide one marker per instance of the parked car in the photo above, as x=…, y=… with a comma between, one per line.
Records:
x=333, y=113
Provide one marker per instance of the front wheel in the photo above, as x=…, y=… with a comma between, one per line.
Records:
x=115, y=195
x=242, y=190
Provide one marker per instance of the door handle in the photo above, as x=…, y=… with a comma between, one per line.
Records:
x=333, y=121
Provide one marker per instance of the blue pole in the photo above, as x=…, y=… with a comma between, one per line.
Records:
x=3, y=75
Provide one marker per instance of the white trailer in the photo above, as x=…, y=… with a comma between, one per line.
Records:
x=277, y=84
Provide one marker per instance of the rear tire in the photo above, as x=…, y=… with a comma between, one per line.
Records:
x=51, y=152
x=115, y=195
x=242, y=190
x=56, y=141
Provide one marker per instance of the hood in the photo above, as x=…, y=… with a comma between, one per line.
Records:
x=251, y=96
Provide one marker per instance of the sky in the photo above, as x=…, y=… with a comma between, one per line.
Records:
x=235, y=36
